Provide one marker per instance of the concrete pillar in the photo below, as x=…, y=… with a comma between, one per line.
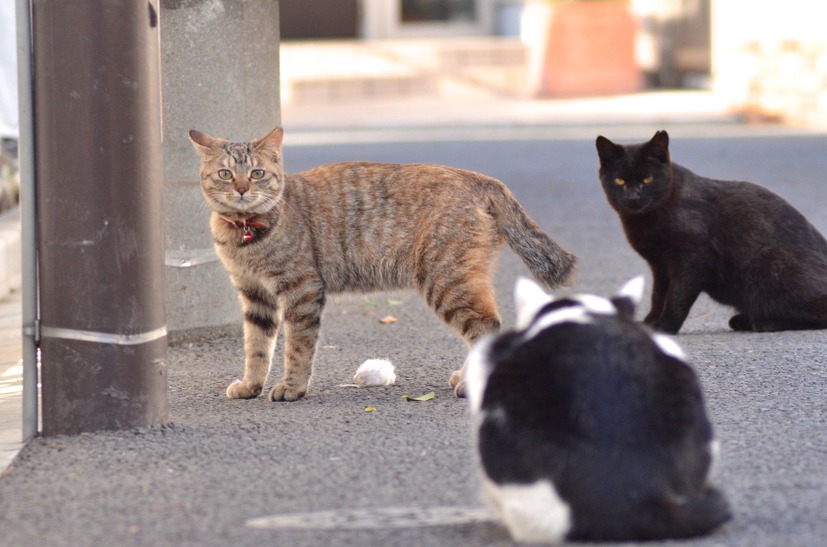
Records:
x=220, y=75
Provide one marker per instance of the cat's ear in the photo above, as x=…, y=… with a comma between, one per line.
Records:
x=271, y=144
x=658, y=147
x=607, y=151
x=629, y=296
x=529, y=298
x=205, y=145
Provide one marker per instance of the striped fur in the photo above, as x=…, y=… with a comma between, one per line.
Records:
x=357, y=227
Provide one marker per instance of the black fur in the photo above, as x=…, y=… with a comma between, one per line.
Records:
x=740, y=243
x=612, y=420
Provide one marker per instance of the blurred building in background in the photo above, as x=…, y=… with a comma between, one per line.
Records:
x=768, y=59
x=672, y=38
x=390, y=49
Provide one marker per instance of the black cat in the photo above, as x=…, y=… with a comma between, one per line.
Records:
x=737, y=241
x=588, y=427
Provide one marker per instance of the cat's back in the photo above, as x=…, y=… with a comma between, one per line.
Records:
x=375, y=225
x=382, y=201
x=392, y=177
x=747, y=210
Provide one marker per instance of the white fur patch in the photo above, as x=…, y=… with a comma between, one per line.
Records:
x=633, y=289
x=477, y=371
x=571, y=314
x=669, y=346
x=375, y=372
x=595, y=304
x=714, y=449
x=529, y=297
x=533, y=513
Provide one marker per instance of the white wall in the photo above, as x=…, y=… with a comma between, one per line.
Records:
x=770, y=57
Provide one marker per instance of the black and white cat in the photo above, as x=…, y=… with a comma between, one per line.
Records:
x=589, y=427
x=740, y=243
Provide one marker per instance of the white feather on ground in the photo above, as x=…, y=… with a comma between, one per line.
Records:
x=375, y=372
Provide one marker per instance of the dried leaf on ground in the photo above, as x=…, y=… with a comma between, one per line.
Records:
x=426, y=397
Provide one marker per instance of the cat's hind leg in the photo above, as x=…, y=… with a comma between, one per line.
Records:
x=782, y=324
x=470, y=308
x=799, y=317
x=454, y=277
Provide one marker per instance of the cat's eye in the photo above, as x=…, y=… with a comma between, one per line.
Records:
x=647, y=180
x=257, y=174
x=225, y=174
x=620, y=182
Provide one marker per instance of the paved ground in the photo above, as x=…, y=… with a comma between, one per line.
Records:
x=11, y=371
x=216, y=473
x=11, y=378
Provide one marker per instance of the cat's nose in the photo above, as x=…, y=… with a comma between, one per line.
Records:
x=242, y=189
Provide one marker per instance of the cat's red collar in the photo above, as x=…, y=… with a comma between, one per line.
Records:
x=245, y=224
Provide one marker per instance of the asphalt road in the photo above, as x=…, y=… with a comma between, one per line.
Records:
x=384, y=477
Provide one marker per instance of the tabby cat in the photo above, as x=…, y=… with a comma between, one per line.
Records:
x=740, y=243
x=288, y=241
x=588, y=427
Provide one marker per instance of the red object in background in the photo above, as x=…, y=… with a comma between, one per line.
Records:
x=589, y=49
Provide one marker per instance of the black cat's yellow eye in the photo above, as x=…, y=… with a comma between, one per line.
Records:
x=225, y=174
x=620, y=182
x=647, y=180
x=257, y=174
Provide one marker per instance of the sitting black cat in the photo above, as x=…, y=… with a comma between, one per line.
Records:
x=588, y=427
x=740, y=243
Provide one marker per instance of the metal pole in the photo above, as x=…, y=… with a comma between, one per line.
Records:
x=100, y=220
x=28, y=214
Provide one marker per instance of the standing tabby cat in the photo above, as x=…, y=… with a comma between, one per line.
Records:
x=289, y=240
x=738, y=242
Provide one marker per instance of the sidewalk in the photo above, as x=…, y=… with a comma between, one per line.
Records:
x=11, y=371
x=648, y=108
x=11, y=379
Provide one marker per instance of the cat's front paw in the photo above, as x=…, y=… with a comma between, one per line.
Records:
x=285, y=392
x=457, y=382
x=665, y=326
x=241, y=390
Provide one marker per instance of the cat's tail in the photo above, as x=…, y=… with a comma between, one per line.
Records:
x=652, y=520
x=692, y=519
x=548, y=262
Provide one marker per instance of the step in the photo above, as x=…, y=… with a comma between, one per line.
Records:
x=314, y=72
